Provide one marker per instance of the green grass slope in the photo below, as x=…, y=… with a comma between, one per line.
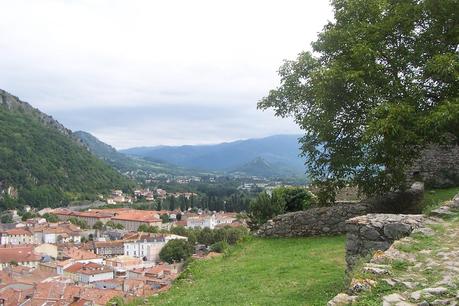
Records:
x=287, y=271
x=40, y=158
x=434, y=197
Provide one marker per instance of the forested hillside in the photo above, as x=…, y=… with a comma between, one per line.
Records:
x=41, y=159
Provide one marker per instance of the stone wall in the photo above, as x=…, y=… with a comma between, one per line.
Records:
x=331, y=220
x=408, y=285
x=313, y=222
x=373, y=232
x=438, y=166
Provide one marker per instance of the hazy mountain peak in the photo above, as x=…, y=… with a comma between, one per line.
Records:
x=278, y=152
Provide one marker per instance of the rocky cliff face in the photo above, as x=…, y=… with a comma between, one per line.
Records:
x=11, y=102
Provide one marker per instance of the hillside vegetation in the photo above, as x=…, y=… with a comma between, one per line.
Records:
x=293, y=271
x=433, y=198
x=39, y=157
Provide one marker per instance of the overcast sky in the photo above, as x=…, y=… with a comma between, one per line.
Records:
x=138, y=73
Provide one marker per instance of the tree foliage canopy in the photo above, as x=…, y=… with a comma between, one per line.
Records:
x=282, y=200
x=176, y=250
x=382, y=84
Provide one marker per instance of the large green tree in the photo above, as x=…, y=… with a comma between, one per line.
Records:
x=381, y=84
x=176, y=250
x=265, y=207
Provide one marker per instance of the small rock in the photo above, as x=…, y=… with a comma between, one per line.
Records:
x=359, y=285
x=405, y=304
x=342, y=299
x=424, y=231
x=446, y=280
x=455, y=201
x=444, y=302
x=393, y=298
x=409, y=285
x=376, y=271
x=391, y=282
x=396, y=230
x=416, y=295
x=435, y=291
x=378, y=256
x=443, y=211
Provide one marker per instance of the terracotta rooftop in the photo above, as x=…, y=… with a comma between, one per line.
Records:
x=78, y=254
x=15, y=294
x=18, y=254
x=18, y=231
x=49, y=291
x=88, y=268
x=100, y=296
x=74, y=268
x=88, y=214
x=180, y=223
x=137, y=236
x=138, y=215
x=113, y=243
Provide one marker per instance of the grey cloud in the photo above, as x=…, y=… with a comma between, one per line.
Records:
x=147, y=73
x=177, y=124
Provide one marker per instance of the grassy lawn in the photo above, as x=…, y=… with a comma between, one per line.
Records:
x=284, y=271
x=433, y=198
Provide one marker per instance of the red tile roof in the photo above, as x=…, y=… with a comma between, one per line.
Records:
x=15, y=296
x=18, y=254
x=138, y=215
x=88, y=268
x=99, y=296
x=18, y=231
x=78, y=254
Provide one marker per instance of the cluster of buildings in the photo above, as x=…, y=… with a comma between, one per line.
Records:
x=118, y=197
x=160, y=194
x=38, y=231
x=132, y=219
x=79, y=278
x=44, y=263
x=88, y=273
x=164, y=178
x=267, y=186
x=212, y=221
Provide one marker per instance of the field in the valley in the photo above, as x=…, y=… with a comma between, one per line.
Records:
x=288, y=271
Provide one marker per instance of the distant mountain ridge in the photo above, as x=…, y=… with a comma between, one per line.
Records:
x=99, y=148
x=44, y=161
x=280, y=153
x=123, y=162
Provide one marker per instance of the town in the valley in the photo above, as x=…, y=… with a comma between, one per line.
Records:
x=94, y=255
